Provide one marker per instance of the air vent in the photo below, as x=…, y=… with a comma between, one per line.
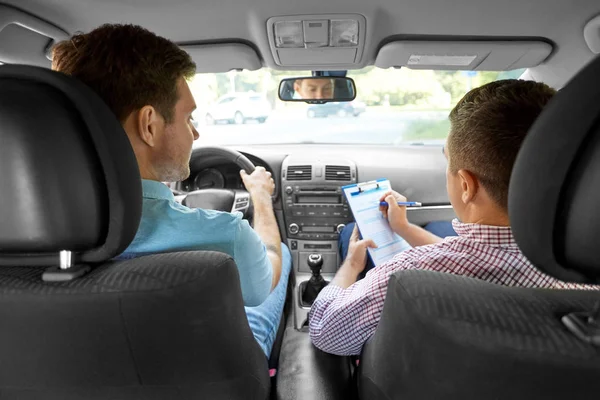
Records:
x=299, y=173
x=337, y=173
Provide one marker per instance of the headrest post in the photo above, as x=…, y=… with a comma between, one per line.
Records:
x=65, y=271
x=65, y=259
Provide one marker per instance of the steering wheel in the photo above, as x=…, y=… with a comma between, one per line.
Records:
x=229, y=200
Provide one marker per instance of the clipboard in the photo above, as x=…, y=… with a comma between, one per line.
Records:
x=363, y=199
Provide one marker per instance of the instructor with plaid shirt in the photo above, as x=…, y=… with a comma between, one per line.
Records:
x=488, y=126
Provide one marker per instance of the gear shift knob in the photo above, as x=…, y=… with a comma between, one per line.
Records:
x=310, y=289
x=315, y=262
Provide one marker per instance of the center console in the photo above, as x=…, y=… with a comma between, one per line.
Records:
x=315, y=212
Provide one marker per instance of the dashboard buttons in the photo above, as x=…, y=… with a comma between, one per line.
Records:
x=289, y=190
x=293, y=229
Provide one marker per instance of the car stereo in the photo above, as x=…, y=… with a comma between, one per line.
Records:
x=315, y=212
x=313, y=203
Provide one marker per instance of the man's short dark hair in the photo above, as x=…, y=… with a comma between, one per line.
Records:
x=128, y=66
x=487, y=128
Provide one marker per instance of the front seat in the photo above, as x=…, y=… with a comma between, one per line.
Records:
x=451, y=337
x=168, y=326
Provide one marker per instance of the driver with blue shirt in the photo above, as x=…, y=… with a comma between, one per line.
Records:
x=143, y=79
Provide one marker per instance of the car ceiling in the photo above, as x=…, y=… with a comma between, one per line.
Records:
x=189, y=21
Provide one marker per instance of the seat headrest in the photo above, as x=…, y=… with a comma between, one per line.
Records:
x=555, y=185
x=69, y=178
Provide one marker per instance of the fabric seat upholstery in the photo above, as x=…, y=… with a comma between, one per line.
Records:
x=168, y=326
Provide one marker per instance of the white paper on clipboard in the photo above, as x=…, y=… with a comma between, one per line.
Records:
x=363, y=199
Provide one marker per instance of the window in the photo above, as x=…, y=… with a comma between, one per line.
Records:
x=393, y=106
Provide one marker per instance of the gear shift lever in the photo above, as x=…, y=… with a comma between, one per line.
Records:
x=316, y=283
x=315, y=262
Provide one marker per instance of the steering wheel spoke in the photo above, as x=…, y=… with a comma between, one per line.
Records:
x=241, y=201
x=228, y=200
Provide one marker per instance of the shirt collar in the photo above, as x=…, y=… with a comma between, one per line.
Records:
x=156, y=190
x=497, y=236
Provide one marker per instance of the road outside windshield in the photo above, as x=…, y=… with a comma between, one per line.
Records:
x=392, y=107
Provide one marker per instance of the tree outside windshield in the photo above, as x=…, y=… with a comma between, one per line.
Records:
x=392, y=107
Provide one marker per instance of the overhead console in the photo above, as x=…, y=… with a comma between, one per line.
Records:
x=471, y=55
x=332, y=41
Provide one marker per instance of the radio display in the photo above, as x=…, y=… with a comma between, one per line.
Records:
x=317, y=199
x=312, y=229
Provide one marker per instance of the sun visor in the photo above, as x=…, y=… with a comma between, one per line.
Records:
x=223, y=57
x=26, y=39
x=463, y=55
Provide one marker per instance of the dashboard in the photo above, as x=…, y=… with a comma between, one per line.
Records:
x=418, y=172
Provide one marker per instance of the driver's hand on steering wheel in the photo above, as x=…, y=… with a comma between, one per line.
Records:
x=259, y=184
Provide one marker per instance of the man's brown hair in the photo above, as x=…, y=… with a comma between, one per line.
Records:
x=487, y=128
x=128, y=66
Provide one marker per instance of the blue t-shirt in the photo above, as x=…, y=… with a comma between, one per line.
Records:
x=168, y=226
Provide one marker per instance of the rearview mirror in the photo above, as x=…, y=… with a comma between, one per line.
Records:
x=321, y=89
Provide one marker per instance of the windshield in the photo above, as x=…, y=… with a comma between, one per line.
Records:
x=392, y=107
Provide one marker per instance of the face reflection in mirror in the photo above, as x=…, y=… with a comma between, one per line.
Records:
x=313, y=89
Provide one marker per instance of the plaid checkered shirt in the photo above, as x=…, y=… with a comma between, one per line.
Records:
x=342, y=320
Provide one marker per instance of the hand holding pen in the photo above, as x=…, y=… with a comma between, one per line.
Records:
x=393, y=207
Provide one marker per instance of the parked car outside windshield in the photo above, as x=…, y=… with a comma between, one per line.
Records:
x=239, y=108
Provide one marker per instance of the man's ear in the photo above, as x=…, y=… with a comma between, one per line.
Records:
x=469, y=185
x=149, y=125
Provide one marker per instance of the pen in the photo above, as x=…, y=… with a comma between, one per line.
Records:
x=403, y=203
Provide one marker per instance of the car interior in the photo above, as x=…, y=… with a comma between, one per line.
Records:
x=79, y=324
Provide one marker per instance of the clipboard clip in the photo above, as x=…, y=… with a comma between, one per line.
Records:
x=365, y=187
